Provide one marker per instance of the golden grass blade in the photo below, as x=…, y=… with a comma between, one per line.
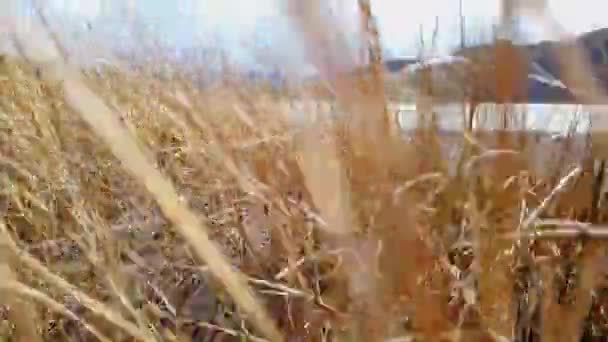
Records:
x=22, y=314
x=63, y=285
x=106, y=124
x=34, y=294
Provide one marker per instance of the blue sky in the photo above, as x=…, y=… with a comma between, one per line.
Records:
x=234, y=24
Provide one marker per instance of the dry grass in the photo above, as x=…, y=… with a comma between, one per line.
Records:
x=135, y=208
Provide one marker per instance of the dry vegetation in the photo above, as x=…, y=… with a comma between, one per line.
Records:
x=139, y=209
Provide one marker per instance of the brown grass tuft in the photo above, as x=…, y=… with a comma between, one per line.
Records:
x=141, y=207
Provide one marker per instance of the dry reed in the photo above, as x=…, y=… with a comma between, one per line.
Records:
x=141, y=208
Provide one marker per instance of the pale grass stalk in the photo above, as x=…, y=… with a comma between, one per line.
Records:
x=489, y=154
x=111, y=276
x=138, y=316
x=172, y=310
x=286, y=271
x=325, y=179
x=99, y=308
x=372, y=35
x=597, y=233
x=565, y=229
x=571, y=317
x=107, y=125
x=28, y=292
x=434, y=176
x=368, y=122
x=25, y=322
x=231, y=332
x=368, y=132
x=283, y=288
x=562, y=187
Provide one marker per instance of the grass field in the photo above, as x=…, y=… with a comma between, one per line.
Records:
x=142, y=208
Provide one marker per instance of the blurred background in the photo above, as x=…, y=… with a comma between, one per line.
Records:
x=257, y=35
x=259, y=38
